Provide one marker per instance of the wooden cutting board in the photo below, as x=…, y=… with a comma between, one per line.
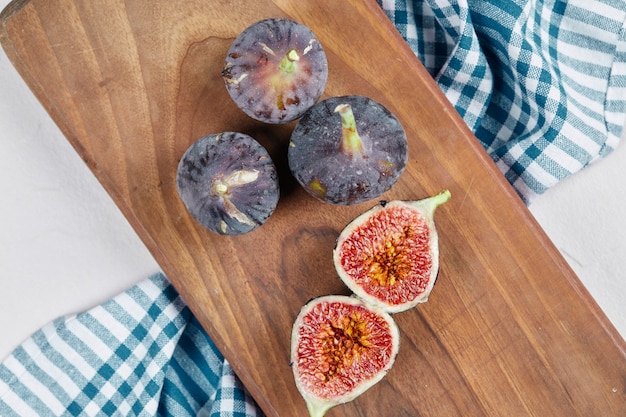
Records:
x=508, y=331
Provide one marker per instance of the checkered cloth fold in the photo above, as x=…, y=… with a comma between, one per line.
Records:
x=141, y=353
x=543, y=86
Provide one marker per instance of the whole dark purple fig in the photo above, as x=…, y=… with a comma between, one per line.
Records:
x=228, y=183
x=347, y=150
x=275, y=70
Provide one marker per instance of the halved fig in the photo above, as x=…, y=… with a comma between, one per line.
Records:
x=228, y=183
x=340, y=347
x=389, y=255
x=347, y=150
x=275, y=70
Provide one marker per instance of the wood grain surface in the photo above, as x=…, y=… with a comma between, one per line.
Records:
x=508, y=331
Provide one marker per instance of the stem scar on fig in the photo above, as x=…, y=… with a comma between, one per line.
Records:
x=287, y=64
x=228, y=183
x=281, y=82
x=222, y=187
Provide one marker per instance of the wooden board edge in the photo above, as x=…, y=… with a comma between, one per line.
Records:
x=519, y=205
x=8, y=46
x=11, y=8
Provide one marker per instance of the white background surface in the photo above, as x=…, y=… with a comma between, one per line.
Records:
x=65, y=247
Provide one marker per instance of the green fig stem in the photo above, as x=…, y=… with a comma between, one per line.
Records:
x=431, y=203
x=351, y=143
x=287, y=64
x=318, y=408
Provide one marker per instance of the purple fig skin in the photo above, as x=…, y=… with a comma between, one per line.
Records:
x=275, y=70
x=228, y=183
x=347, y=173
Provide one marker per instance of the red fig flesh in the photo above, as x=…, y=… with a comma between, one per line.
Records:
x=340, y=347
x=389, y=255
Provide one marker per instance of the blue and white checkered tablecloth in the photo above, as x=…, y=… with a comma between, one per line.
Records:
x=541, y=83
x=141, y=353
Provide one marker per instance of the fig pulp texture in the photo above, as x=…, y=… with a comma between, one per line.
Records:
x=275, y=70
x=340, y=347
x=389, y=255
x=228, y=183
x=347, y=150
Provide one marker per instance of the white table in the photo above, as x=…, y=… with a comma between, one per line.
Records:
x=65, y=246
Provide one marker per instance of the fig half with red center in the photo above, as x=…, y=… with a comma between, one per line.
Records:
x=340, y=347
x=275, y=70
x=228, y=183
x=389, y=255
x=347, y=150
